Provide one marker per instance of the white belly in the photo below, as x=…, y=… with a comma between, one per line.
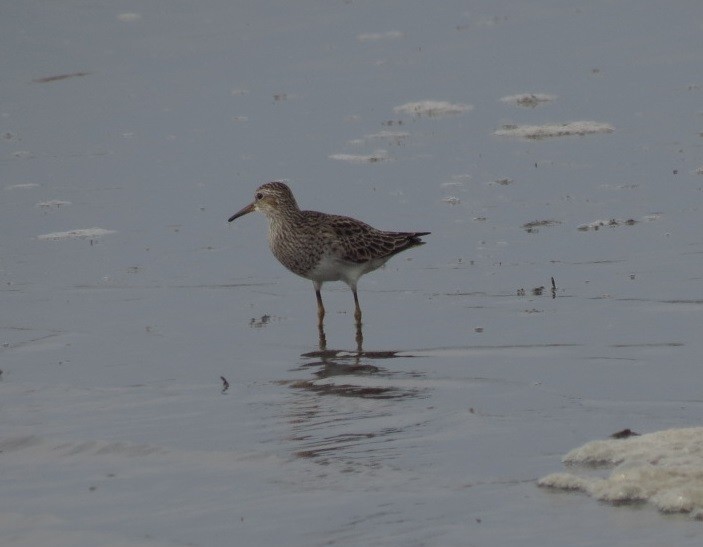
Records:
x=331, y=269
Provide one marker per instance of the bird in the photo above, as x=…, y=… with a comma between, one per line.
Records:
x=323, y=247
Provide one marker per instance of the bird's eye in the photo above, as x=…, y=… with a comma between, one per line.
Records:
x=259, y=195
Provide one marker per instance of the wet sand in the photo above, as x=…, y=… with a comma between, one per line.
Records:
x=163, y=381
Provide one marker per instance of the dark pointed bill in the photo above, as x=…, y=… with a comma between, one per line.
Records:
x=248, y=209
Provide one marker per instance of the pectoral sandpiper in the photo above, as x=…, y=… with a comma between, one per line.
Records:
x=322, y=247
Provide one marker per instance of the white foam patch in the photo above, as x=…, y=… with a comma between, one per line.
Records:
x=390, y=135
x=128, y=17
x=22, y=186
x=377, y=156
x=86, y=233
x=451, y=200
x=377, y=36
x=53, y=203
x=459, y=180
x=432, y=109
x=554, y=130
x=615, y=222
x=528, y=99
x=664, y=469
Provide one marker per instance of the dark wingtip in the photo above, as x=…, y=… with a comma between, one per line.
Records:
x=415, y=237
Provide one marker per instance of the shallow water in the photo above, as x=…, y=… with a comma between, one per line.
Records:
x=154, y=124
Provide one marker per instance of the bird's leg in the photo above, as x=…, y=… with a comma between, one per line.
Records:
x=320, y=307
x=357, y=310
x=321, y=338
x=320, y=326
x=359, y=340
x=357, y=317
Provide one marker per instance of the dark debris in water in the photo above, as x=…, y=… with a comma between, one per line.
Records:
x=262, y=321
x=530, y=100
x=539, y=291
x=612, y=223
x=58, y=77
x=225, y=384
x=532, y=227
x=624, y=434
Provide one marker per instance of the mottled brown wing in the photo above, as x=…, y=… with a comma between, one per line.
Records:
x=361, y=242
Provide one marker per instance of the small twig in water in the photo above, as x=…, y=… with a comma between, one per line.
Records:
x=59, y=77
x=225, y=384
x=554, y=289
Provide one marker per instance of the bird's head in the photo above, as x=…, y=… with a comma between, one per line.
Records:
x=271, y=199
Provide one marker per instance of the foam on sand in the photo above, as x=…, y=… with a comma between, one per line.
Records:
x=432, y=109
x=53, y=203
x=85, y=233
x=528, y=99
x=22, y=186
x=664, y=468
x=553, y=130
x=377, y=36
x=615, y=222
x=377, y=156
x=392, y=137
x=128, y=17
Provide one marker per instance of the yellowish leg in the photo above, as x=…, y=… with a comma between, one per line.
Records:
x=320, y=318
x=359, y=339
x=357, y=317
x=320, y=307
x=357, y=310
x=321, y=338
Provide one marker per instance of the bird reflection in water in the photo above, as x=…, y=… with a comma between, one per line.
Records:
x=336, y=363
x=355, y=436
x=322, y=338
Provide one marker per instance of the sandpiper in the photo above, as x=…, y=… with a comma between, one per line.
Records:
x=322, y=247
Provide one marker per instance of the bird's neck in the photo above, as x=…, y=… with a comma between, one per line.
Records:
x=283, y=219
